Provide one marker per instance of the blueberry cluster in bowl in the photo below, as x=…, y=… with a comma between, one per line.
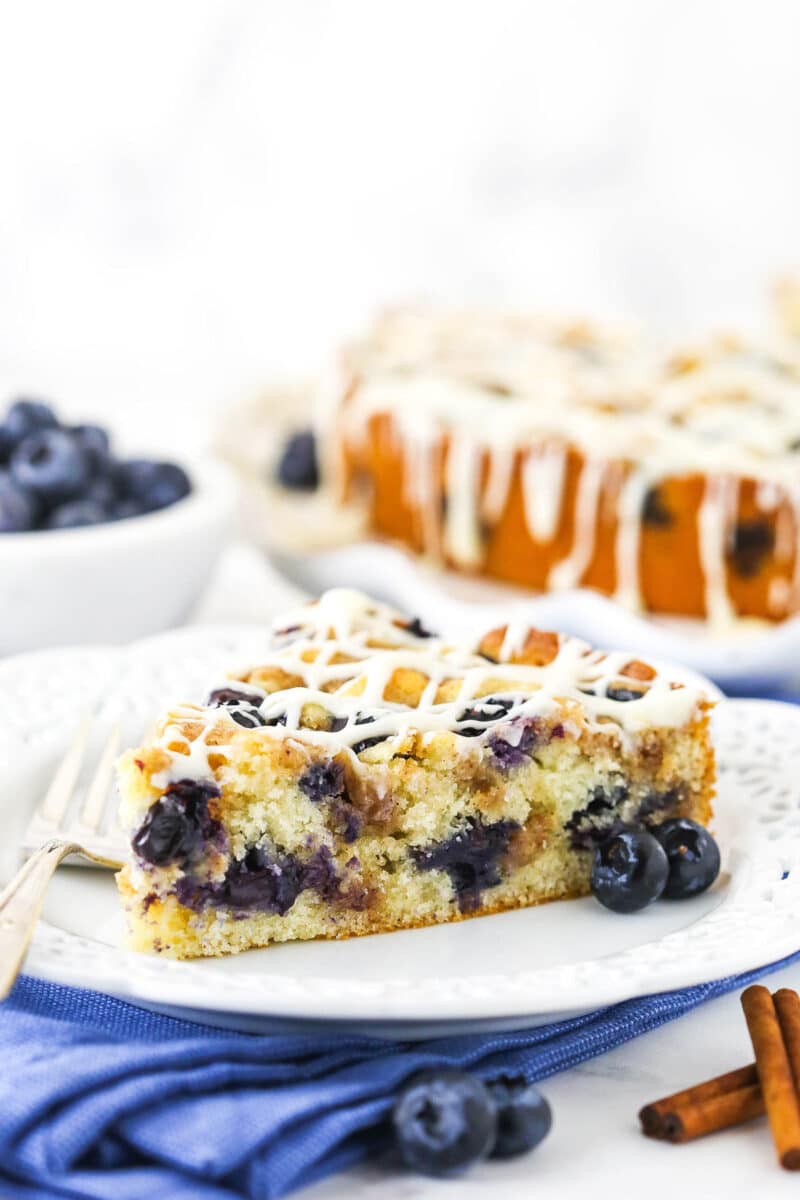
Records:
x=58, y=476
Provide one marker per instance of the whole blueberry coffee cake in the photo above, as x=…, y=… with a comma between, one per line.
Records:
x=558, y=455
x=371, y=775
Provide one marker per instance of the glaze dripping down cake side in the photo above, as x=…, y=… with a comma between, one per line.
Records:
x=369, y=776
x=558, y=455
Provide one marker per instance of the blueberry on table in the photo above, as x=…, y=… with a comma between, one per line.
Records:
x=443, y=1122
x=23, y=418
x=298, y=467
x=692, y=854
x=75, y=514
x=18, y=509
x=523, y=1116
x=629, y=871
x=51, y=465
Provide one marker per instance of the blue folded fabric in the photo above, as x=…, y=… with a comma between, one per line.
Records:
x=100, y=1099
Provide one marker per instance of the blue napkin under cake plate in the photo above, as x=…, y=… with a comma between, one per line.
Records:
x=105, y=1101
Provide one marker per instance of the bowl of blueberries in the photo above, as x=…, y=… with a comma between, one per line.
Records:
x=95, y=547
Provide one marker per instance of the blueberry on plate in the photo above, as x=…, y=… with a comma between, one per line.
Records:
x=692, y=854
x=76, y=513
x=298, y=467
x=23, y=418
x=443, y=1122
x=523, y=1116
x=629, y=871
x=153, y=484
x=18, y=509
x=51, y=465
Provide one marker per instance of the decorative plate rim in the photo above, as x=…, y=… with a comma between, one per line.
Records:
x=756, y=921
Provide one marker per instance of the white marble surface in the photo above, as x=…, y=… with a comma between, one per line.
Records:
x=595, y=1148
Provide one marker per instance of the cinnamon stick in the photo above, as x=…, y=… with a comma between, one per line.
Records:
x=709, y=1116
x=714, y=1104
x=774, y=1073
x=787, y=1006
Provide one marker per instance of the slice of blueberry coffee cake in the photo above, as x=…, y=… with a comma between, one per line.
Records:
x=370, y=776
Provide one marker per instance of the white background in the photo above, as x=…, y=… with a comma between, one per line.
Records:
x=195, y=194
x=198, y=194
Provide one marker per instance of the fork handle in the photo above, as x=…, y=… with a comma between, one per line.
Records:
x=20, y=906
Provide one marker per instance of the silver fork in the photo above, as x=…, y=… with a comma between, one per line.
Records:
x=55, y=834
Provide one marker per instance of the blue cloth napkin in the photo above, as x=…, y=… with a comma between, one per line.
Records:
x=99, y=1099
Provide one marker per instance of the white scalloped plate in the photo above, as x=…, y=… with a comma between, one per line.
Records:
x=509, y=970
x=747, y=654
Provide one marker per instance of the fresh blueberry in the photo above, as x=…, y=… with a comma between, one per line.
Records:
x=154, y=484
x=101, y=489
x=523, y=1116
x=443, y=1122
x=121, y=510
x=366, y=743
x=247, y=716
x=417, y=629
x=23, y=418
x=692, y=854
x=228, y=696
x=76, y=513
x=18, y=509
x=170, y=484
x=492, y=708
x=94, y=442
x=629, y=871
x=298, y=467
x=175, y=827
x=622, y=693
x=51, y=465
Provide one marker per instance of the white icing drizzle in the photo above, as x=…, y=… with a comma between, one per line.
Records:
x=714, y=526
x=569, y=572
x=498, y=484
x=511, y=386
x=463, y=539
x=630, y=503
x=543, y=473
x=374, y=643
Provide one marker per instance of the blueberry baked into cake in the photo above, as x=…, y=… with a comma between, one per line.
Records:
x=369, y=775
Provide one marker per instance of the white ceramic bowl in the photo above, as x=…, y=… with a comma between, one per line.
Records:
x=115, y=582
